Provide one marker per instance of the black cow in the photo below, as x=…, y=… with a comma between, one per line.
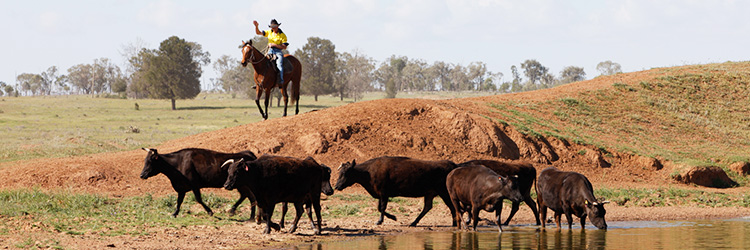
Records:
x=275, y=179
x=476, y=187
x=191, y=169
x=568, y=193
x=526, y=176
x=387, y=176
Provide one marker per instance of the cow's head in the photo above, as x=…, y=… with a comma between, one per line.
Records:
x=236, y=167
x=595, y=211
x=345, y=175
x=510, y=188
x=326, y=185
x=151, y=165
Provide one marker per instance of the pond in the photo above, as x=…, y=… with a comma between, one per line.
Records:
x=683, y=235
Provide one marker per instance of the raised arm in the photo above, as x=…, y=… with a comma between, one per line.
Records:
x=257, y=31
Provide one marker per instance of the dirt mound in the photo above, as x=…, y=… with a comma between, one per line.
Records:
x=706, y=176
x=457, y=130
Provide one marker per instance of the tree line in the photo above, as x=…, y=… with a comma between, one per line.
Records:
x=173, y=70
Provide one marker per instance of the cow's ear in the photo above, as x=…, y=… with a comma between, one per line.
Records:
x=586, y=202
x=354, y=162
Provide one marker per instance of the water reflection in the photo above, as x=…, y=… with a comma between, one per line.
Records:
x=726, y=234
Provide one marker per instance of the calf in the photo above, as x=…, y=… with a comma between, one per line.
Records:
x=275, y=179
x=191, y=169
x=476, y=187
x=387, y=176
x=526, y=176
x=568, y=193
x=326, y=189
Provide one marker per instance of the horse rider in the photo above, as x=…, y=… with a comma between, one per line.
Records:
x=276, y=43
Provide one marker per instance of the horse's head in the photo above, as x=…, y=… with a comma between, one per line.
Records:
x=246, y=51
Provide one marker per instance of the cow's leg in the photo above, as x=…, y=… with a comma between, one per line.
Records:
x=513, y=210
x=457, y=220
x=316, y=206
x=542, y=214
x=180, y=198
x=474, y=215
x=448, y=202
x=425, y=209
x=570, y=219
x=583, y=221
x=558, y=220
x=267, y=212
x=298, y=211
x=498, y=211
x=308, y=210
x=233, y=210
x=468, y=218
x=284, y=209
x=382, y=204
x=530, y=202
x=197, y=194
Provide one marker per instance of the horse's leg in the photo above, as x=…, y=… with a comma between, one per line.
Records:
x=258, y=93
x=268, y=94
x=286, y=97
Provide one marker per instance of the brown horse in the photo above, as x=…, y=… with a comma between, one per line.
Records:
x=265, y=76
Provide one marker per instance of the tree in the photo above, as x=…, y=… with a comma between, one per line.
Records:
x=30, y=83
x=318, y=58
x=534, y=70
x=100, y=77
x=80, y=76
x=439, y=73
x=607, y=68
x=173, y=71
x=106, y=76
x=459, y=78
x=477, y=73
x=233, y=78
x=51, y=80
x=355, y=74
x=390, y=74
x=516, y=85
x=572, y=74
x=416, y=76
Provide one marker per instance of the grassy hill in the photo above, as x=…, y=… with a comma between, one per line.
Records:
x=692, y=115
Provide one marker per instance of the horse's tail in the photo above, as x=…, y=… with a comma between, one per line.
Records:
x=296, y=79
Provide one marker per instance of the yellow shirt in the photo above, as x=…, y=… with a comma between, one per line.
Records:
x=276, y=38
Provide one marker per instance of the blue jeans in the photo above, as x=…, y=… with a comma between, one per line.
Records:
x=279, y=61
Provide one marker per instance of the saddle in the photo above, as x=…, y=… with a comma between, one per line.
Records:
x=286, y=64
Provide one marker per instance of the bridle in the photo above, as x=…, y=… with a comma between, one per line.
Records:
x=252, y=55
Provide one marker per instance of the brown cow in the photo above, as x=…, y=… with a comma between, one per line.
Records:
x=526, y=176
x=568, y=193
x=475, y=188
x=275, y=179
x=388, y=176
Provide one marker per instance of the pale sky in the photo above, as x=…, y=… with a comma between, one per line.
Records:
x=637, y=34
